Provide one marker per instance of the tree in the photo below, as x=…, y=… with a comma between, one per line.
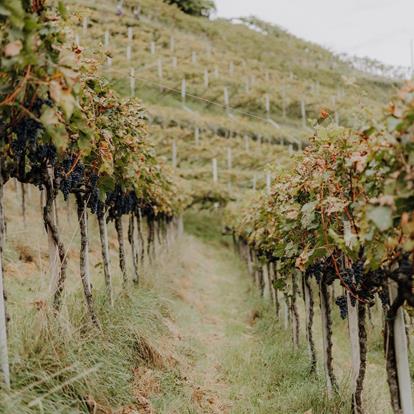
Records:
x=202, y=8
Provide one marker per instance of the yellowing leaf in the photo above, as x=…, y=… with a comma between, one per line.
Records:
x=55, y=90
x=49, y=117
x=67, y=102
x=381, y=216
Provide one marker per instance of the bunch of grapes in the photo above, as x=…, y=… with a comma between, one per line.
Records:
x=358, y=268
x=348, y=277
x=27, y=132
x=329, y=272
x=121, y=203
x=342, y=304
x=71, y=177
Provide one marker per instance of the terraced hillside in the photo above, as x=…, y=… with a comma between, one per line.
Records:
x=206, y=82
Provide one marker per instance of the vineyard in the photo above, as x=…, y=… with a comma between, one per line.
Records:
x=199, y=215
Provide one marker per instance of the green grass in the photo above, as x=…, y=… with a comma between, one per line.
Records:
x=47, y=351
x=268, y=377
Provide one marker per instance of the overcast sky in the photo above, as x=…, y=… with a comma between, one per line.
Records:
x=380, y=29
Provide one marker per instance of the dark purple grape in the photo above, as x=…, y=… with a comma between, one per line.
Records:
x=342, y=304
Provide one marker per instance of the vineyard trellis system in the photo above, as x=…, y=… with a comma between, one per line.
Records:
x=343, y=214
x=64, y=130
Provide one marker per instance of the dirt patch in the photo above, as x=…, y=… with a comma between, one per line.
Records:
x=26, y=253
x=146, y=382
x=148, y=353
x=208, y=402
x=142, y=406
x=254, y=316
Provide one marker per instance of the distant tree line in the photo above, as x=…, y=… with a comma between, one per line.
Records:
x=202, y=8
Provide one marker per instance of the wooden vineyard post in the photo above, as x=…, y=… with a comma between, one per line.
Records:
x=152, y=48
x=132, y=81
x=87, y=263
x=267, y=105
x=52, y=245
x=128, y=53
x=294, y=311
x=206, y=80
x=266, y=289
x=326, y=337
x=309, y=322
x=183, y=90
x=172, y=44
x=354, y=340
x=134, y=251
x=122, y=264
x=268, y=183
x=4, y=350
x=193, y=58
x=141, y=240
x=103, y=233
x=83, y=263
x=401, y=355
x=215, y=172
x=159, y=69
x=283, y=101
x=226, y=98
x=286, y=315
x=273, y=274
x=130, y=34
x=231, y=68
x=85, y=24
x=106, y=39
x=180, y=225
x=197, y=135
x=270, y=283
x=174, y=154
x=303, y=112
x=174, y=62
x=229, y=159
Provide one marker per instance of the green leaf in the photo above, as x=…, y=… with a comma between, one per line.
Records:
x=49, y=117
x=381, y=216
x=62, y=10
x=106, y=184
x=308, y=214
x=279, y=284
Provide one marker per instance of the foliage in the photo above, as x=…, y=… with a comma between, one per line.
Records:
x=201, y=8
x=58, y=115
x=347, y=203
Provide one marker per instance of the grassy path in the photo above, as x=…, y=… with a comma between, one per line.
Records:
x=213, y=317
x=234, y=356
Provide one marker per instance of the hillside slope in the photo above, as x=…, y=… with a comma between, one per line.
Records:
x=244, y=79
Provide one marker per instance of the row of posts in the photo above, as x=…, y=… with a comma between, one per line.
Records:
x=226, y=101
x=214, y=164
